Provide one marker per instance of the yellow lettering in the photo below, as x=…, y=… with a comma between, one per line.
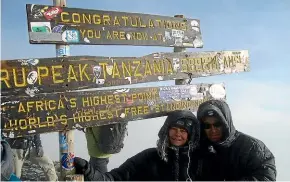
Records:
x=155, y=37
x=122, y=35
x=147, y=68
x=60, y=104
x=76, y=18
x=110, y=99
x=134, y=97
x=151, y=24
x=85, y=101
x=159, y=23
x=117, y=99
x=32, y=123
x=63, y=119
x=73, y=103
x=106, y=19
x=44, y=124
x=15, y=76
x=109, y=36
x=115, y=34
x=134, y=111
x=71, y=74
x=21, y=107
x=62, y=18
x=146, y=110
x=96, y=19
x=103, y=100
x=39, y=105
x=41, y=75
x=116, y=71
x=50, y=106
x=50, y=121
x=140, y=23
x=110, y=115
x=128, y=69
x=104, y=68
x=83, y=72
x=102, y=114
x=127, y=110
x=55, y=74
x=116, y=21
x=125, y=18
x=22, y=126
x=5, y=78
x=157, y=66
x=136, y=21
x=29, y=105
x=136, y=73
x=87, y=19
x=170, y=68
x=83, y=32
x=183, y=26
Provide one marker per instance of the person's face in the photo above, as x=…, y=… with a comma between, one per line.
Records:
x=178, y=136
x=213, y=129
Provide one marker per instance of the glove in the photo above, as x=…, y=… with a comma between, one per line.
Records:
x=39, y=151
x=81, y=165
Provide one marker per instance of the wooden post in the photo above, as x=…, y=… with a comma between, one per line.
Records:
x=66, y=137
x=180, y=49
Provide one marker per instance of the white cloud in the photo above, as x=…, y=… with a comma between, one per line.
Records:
x=259, y=109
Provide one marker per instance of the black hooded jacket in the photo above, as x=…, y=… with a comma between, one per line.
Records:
x=164, y=163
x=238, y=156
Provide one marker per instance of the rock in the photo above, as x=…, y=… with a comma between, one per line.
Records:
x=32, y=172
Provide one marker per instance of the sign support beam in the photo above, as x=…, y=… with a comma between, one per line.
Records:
x=66, y=138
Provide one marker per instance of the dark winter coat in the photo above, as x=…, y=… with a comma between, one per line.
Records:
x=25, y=142
x=238, y=156
x=162, y=163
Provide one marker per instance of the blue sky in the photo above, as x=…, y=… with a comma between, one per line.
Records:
x=259, y=98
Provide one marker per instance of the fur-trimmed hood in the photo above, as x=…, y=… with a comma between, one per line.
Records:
x=172, y=117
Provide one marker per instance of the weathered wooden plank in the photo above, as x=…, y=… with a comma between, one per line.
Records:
x=49, y=24
x=24, y=115
x=33, y=76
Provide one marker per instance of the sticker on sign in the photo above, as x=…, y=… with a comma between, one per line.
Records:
x=177, y=33
x=71, y=36
x=40, y=27
x=217, y=91
x=52, y=12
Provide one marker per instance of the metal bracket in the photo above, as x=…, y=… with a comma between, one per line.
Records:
x=190, y=78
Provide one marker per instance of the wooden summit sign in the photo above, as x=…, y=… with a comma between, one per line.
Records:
x=24, y=115
x=34, y=76
x=51, y=24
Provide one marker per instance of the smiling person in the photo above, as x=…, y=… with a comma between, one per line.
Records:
x=174, y=159
x=234, y=155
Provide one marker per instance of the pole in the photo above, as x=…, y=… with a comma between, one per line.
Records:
x=179, y=49
x=66, y=138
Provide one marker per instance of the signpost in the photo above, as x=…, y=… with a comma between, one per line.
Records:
x=55, y=24
x=25, y=115
x=42, y=95
x=45, y=75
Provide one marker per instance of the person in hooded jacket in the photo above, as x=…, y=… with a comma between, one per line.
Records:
x=174, y=159
x=30, y=148
x=233, y=154
x=7, y=163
